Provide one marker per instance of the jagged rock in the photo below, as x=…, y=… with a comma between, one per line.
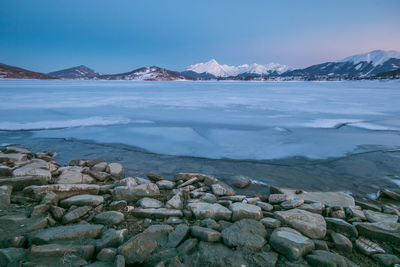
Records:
x=156, y=213
x=290, y=243
x=175, y=202
x=245, y=211
x=387, y=260
x=107, y=254
x=341, y=242
x=57, y=212
x=159, y=233
x=12, y=256
x=187, y=246
x=279, y=198
x=109, y=217
x=313, y=207
x=75, y=214
x=325, y=258
x=265, y=206
x=209, y=198
x=58, y=250
x=374, y=216
x=137, y=249
x=62, y=190
x=380, y=231
x=367, y=205
x=341, y=226
x=291, y=204
x=82, y=200
x=310, y=224
x=205, y=234
x=100, y=167
x=240, y=181
x=111, y=238
x=188, y=182
x=390, y=194
x=12, y=157
x=39, y=168
x=246, y=233
x=39, y=210
x=177, y=236
x=368, y=247
x=135, y=193
x=5, y=194
x=270, y=222
x=69, y=232
x=116, y=170
x=165, y=184
x=222, y=189
x=147, y=203
x=203, y=210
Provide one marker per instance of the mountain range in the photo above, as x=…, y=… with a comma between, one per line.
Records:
x=375, y=64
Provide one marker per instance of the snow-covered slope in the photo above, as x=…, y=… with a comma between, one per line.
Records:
x=79, y=72
x=377, y=57
x=218, y=70
x=153, y=73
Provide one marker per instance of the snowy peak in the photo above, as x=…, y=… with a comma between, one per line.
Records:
x=218, y=70
x=79, y=72
x=377, y=57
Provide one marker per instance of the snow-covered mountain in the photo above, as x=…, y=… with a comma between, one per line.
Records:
x=79, y=72
x=376, y=57
x=218, y=70
x=146, y=74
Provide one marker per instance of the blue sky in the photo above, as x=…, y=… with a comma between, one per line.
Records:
x=121, y=35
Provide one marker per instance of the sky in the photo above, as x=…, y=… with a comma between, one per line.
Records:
x=122, y=35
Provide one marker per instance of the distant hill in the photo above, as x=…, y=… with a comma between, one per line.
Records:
x=79, y=72
x=10, y=72
x=153, y=73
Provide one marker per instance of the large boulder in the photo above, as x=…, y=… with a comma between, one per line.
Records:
x=137, y=192
x=375, y=216
x=310, y=224
x=246, y=233
x=202, y=210
x=176, y=237
x=341, y=226
x=290, y=243
x=116, y=170
x=82, y=200
x=245, y=211
x=72, y=175
x=389, y=232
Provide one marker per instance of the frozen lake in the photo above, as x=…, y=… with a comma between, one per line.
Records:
x=237, y=120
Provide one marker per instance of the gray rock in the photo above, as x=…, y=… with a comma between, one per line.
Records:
x=187, y=246
x=5, y=194
x=62, y=190
x=291, y=204
x=118, y=205
x=175, y=202
x=37, y=168
x=59, y=250
x=100, y=176
x=389, y=232
x=82, y=200
x=12, y=256
x=156, y=213
x=342, y=243
x=165, y=184
x=107, y=254
x=209, y=198
x=116, y=170
x=57, y=212
x=71, y=175
x=12, y=157
x=387, y=260
x=310, y=224
x=100, y=167
x=205, y=234
x=159, y=233
x=368, y=247
x=279, y=198
x=313, y=207
x=210, y=223
x=235, y=198
x=109, y=217
x=240, y=181
x=177, y=236
x=129, y=182
x=111, y=238
x=265, y=206
x=341, y=226
x=222, y=189
x=290, y=243
x=390, y=194
x=264, y=258
x=246, y=233
x=321, y=245
x=203, y=210
x=368, y=205
x=134, y=193
x=188, y=176
x=357, y=213
x=270, y=222
x=374, y=216
x=245, y=211
x=21, y=150
x=325, y=258
x=147, y=203
x=69, y=232
x=137, y=249
x=119, y=261
x=19, y=183
x=188, y=182
x=75, y=214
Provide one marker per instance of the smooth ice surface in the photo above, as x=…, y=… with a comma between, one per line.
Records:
x=239, y=120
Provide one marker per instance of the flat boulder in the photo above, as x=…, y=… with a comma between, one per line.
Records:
x=202, y=210
x=341, y=226
x=82, y=200
x=205, y=234
x=137, y=249
x=310, y=224
x=19, y=183
x=245, y=233
x=389, y=232
x=245, y=211
x=70, y=175
x=137, y=192
x=63, y=233
x=148, y=202
x=61, y=190
x=156, y=213
x=289, y=242
x=60, y=250
x=375, y=216
x=75, y=214
x=109, y=217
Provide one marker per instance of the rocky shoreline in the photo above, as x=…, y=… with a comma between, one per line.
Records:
x=89, y=214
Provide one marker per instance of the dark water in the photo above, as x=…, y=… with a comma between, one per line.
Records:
x=360, y=173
